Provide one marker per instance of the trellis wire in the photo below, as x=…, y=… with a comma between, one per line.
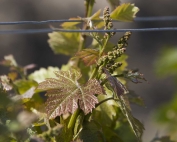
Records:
x=137, y=19
x=33, y=31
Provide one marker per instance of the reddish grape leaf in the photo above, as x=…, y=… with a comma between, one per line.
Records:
x=65, y=93
x=89, y=56
x=117, y=86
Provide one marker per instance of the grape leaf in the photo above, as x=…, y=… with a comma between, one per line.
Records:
x=64, y=43
x=91, y=132
x=24, y=85
x=116, y=85
x=89, y=56
x=96, y=15
x=120, y=91
x=65, y=93
x=71, y=24
x=125, y=12
x=43, y=73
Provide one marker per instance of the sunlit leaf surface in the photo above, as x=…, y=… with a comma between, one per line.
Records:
x=64, y=43
x=125, y=12
x=65, y=93
x=41, y=74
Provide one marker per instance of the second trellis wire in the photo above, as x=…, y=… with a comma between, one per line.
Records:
x=137, y=19
x=33, y=31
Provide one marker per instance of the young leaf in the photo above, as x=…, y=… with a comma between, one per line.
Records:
x=91, y=132
x=41, y=74
x=89, y=56
x=64, y=43
x=125, y=12
x=96, y=15
x=116, y=85
x=24, y=85
x=65, y=93
x=119, y=89
x=134, y=76
x=71, y=24
x=135, y=124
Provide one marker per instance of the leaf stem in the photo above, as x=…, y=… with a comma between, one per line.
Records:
x=73, y=119
x=111, y=98
x=94, y=72
x=90, y=7
x=104, y=45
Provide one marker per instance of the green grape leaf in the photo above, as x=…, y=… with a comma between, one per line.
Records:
x=65, y=93
x=120, y=90
x=88, y=56
x=114, y=3
x=125, y=12
x=64, y=43
x=106, y=112
x=96, y=15
x=41, y=74
x=91, y=132
x=135, y=124
x=24, y=85
x=71, y=24
x=29, y=93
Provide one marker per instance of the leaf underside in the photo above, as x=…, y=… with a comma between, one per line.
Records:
x=65, y=93
x=120, y=91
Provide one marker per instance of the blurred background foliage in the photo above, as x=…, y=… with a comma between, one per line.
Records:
x=166, y=114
